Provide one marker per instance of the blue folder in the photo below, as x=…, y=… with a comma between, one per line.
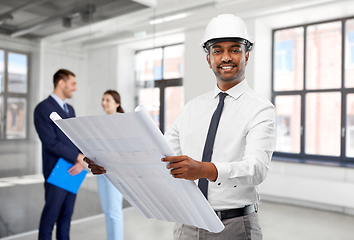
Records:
x=60, y=177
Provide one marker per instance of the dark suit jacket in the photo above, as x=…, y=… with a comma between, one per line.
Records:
x=55, y=144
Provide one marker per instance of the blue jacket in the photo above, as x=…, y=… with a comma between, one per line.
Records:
x=55, y=144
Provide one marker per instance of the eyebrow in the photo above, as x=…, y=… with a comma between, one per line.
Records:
x=218, y=46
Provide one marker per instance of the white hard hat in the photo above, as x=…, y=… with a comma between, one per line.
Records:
x=226, y=27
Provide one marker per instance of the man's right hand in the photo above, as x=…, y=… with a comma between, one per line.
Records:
x=95, y=169
x=76, y=169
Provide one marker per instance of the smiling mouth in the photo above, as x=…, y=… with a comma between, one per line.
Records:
x=227, y=67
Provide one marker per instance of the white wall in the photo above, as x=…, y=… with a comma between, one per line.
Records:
x=126, y=77
x=324, y=187
x=262, y=64
x=101, y=76
x=198, y=77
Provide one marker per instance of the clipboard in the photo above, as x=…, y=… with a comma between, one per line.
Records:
x=60, y=177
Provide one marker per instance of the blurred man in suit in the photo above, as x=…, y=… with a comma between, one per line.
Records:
x=59, y=203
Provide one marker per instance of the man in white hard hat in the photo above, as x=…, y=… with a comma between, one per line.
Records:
x=224, y=139
x=242, y=132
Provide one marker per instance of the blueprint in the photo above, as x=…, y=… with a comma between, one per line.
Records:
x=130, y=147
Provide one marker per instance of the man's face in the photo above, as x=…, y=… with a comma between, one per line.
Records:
x=69, y=86
x=228, y=61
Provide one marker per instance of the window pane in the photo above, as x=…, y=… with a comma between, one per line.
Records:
x=17, y=73
x=288, y=109
x=349, y=54
x=323, y=56
x=288, y=59
x=16, y=118
x=149, y=65
x=350, y=126
x=174, y=102
x=173, y=57
x=1, y=117
x=323, y=123
x=2, y=73
x=150, y=98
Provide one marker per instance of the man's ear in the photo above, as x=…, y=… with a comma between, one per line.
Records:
x=247, y=56
x=61, y=83
x=208, y=59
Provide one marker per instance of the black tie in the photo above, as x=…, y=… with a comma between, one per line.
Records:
x=209, y=143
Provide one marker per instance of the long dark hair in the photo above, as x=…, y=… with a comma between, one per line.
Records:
x=116, y=98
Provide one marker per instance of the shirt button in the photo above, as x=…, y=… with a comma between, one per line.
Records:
x=235, y=186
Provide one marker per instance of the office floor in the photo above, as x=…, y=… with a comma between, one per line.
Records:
x=22, y=200
x=278, y=221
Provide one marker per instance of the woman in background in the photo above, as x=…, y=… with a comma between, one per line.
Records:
x=111, y=198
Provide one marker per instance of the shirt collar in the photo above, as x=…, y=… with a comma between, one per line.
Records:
x=58, y=100
x=234, y=92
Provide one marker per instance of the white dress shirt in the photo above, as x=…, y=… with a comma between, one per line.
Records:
x=244, y=142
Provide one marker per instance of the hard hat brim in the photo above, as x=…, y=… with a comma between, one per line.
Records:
x=213, y=41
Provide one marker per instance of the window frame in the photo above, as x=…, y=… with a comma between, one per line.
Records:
x=6, y=94
x=162, y=84
x=342, y=160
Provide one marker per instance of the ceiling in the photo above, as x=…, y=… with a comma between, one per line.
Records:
x=35, y=19
x=89, y=24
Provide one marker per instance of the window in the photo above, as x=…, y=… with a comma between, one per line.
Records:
x=351, y=47
x=288, y=60
x=13, y=95
x=313, y=93
x=159, y=74
x=284, y=55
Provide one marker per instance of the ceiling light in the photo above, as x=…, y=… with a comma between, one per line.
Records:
x=168, y=18
x=156, y=21
x=175, y=17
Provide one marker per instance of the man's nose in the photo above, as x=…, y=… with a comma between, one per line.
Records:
x=226, y=57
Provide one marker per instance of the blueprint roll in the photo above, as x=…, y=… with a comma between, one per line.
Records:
x=158, y=136
x=130, y=147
